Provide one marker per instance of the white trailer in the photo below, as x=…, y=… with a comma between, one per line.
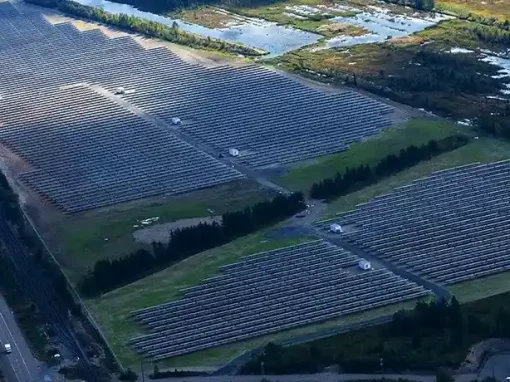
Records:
x=364, y=265
x=233, y=152
x=335, y=228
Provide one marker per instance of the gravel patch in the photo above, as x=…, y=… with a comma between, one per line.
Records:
x=161, y=232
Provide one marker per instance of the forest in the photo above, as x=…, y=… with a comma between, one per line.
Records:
x=357, y=178
x=435, y=334
x=110, y=274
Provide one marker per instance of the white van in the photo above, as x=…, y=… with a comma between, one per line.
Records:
x=7, y=348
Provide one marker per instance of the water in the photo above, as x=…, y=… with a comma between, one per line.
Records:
x=256, y=33
x=383, y=25
x=457, y=50
x=504, y=72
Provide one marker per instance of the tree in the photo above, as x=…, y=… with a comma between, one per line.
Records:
x=128, y=375
x=444, y=375
x=456, y=323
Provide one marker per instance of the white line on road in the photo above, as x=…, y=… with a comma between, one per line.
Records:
x=17, y=347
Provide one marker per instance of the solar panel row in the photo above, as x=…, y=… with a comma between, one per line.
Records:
x=450, y=227
x=265, y=293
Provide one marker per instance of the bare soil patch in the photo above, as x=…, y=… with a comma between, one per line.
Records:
x=161, y=232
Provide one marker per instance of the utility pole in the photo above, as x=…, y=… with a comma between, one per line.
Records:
x=262, y=368
x=143, y=373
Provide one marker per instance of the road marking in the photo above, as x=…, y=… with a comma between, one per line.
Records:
x=17, y=347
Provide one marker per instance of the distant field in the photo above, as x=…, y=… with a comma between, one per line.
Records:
x=498, y=9
x=91, y=236
x=414, y=132
x=112, y=310
x=481, y=288
x=482, y=150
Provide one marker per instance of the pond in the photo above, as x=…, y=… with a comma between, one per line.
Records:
x=256, y=33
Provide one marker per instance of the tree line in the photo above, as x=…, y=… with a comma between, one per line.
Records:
x=490, y=21
x=353, y=179
x=150, y=28
x=433, y=335
x=109, y=274
x=35, y=325
x=498, y=125
x=425, y=5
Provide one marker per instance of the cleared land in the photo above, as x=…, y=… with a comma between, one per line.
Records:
x=80, y=240
x=481, y=288
x=112, y=310
x=415, y=132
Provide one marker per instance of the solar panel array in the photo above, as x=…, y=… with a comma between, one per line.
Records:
x=265, y=293
x=86, y=150
x=96, y=154
x=450, y=227
x=266, y=116
x=90, y=153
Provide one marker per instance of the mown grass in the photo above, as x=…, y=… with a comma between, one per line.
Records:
x=112, y=310
x=481, y=288
x=221, y=355
x=88, y=237
x=414, y=132
x=482, y=150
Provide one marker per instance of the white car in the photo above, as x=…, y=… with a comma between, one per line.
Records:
x=8, y=348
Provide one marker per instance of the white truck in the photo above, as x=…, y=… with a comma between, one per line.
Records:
x=7, y=348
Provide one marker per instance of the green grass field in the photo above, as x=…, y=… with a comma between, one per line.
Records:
x=481, y=288
x=482, y=150
x=91, y=236
x=111, y=311
x=414, y=132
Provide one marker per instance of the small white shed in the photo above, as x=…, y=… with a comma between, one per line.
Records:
x=176, y=121
x=233, y=152
x=365, y=265
x=335, y=228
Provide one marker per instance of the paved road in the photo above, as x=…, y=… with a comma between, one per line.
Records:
x=42, y=291
x=497, y=366
x=317, y=378
x=439, y=291
x=20, y=365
